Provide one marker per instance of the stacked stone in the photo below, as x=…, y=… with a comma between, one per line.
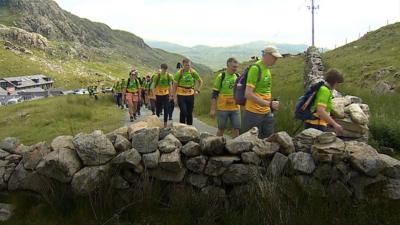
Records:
x=319, y=163
x=348, y=111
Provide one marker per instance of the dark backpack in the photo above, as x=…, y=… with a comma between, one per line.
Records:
x=303, y=106
x=223, y=78
x=239, y=90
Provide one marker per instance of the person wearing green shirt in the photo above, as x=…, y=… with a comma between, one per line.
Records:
x=322, y=105
x=131, y=94
x=162, y=87
x=187, y=85
x=222, y=101
x=259, y=104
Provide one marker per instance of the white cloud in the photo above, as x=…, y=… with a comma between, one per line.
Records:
x=227, y=22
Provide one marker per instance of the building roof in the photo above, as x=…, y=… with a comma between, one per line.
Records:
x=27, y=81
x=32, y=90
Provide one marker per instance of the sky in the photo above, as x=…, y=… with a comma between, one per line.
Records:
x=231, y=22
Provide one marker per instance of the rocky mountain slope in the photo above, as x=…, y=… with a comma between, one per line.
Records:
x=93, y=47
x=216, y=57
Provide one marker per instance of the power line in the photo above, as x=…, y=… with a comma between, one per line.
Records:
x=313, y=8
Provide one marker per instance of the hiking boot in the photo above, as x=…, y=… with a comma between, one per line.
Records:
x=132, y=118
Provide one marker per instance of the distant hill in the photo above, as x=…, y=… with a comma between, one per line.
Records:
x=83, y=46
x=215, y=57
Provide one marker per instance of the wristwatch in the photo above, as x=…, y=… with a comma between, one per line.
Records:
x=198, y=91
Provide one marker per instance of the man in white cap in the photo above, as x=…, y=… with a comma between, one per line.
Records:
x=259, y=104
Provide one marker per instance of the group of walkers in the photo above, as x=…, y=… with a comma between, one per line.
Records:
x=231, y=90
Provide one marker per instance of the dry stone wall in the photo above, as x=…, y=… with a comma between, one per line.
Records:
x=314, y=162
x=348, y=111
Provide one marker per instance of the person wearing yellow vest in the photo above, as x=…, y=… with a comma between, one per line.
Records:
x=322, y=105
x=162, y=86
x=118, y=89
x=187, y=84
x=259, y=105
x=131, y=94
x=222, y=102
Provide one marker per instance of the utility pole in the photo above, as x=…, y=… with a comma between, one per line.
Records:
x=313, y=8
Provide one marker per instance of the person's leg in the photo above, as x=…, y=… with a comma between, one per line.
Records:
x=268, y=126
x=251, y=120
x=129, y=100
x=183, y=109
x=153, y=106
x=235, y=121
x=158, y=105
x=222, y=117
x=171, y=109
x=190, y=107
x=165, y=103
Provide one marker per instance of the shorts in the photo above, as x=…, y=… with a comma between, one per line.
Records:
x=264, y=122
x=132, y=97
x=224, y=116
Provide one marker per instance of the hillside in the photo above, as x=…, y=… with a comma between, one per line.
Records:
x=215, y=57
x=76, y=46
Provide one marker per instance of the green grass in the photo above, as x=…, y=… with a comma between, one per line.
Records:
x=43, y=120
x=158, y=203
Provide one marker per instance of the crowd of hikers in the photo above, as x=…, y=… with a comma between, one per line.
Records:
x=242, y=100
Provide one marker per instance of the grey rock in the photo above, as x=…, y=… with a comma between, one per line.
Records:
x=119, y=183
x=3, y=154
x=326, y=138
x=391, y=166
x=6, y=211
x=302, y=162
x=243, y=143
x=89, y=179
x=197, y=180
x=387, y=151
x=129, y=159
x=251, y=158
x=361, y=184
x=191, y=149
x=121, y=144
x=237, y=174
x=391, y=189
x=204, y=135
x=364, y=158
x=37, y=152
x=62, y=142
x=169, y=144
x=285, y=142
x=217, y=165
x=60, y=165
x=306, y=139
x=265, y=149
x=310, y=185
x=10, y=144
x=151, y=160
x=171, y=161
x=213, y=145
x=213, y=191
x=353, y=99
x=196, y=164
x=326, y=173
x=25, y=180
x=146, y=140
x=185, y=133
x=331, y=152
x=13, y=158
x=169, y=176
x=94, y=149
x=357, y=114
x=277, y=165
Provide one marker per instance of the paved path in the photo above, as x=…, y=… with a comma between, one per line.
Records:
x=201, y=126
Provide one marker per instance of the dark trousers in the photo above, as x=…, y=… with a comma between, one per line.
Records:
x=162, y=103
x=186, y=105
x=318, y=127
x=171, y=108
x=119, y=99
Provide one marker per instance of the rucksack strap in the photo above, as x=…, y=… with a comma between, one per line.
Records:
x=181, y=74
x=222, y=79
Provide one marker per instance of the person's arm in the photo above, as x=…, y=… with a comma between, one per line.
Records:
x=326, y=117
x=214, y=96
x=250, y=95
x=171, y=87
x=175, y=84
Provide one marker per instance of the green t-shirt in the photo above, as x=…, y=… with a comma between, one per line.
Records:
x=133, y=85
x=264, y=86
x=164, y=82
x=188, y=79
x=323, y=98
x=227, y=84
